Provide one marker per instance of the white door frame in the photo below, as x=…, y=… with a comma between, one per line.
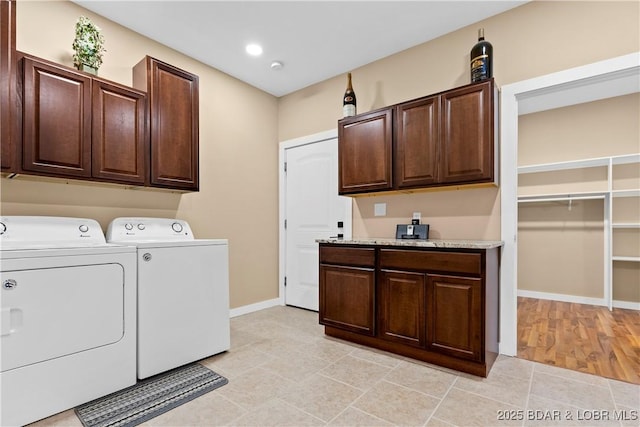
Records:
x=283, y=146
x=605, y=79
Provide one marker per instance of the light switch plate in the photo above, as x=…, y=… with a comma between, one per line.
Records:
x=380, y=209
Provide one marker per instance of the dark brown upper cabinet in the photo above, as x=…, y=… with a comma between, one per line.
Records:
x=119, y=143
x=56, y=120
x=364, y=152
x=173, y=123
x=79, y=126
x=416, y=144
x=467, y=135
x=437, y=140
x=8, y=95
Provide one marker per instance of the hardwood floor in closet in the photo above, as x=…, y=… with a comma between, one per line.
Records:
x=580, y=337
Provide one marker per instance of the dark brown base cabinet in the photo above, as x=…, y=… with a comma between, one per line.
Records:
x=401, y=307
x=456, y=313
x=348, y=298
x=435, y=305
x=347, y=289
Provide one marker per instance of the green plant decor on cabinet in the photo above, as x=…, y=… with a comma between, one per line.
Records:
x=88, y=46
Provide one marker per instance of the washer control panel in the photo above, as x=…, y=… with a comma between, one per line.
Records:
x=148, y=229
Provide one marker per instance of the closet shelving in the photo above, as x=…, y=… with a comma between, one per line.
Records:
x=608, y=195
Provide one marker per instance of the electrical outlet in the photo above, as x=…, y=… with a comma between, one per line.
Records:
x=416, y=218
x=380, y=209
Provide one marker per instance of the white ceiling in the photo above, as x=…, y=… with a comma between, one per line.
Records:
x=315, y=40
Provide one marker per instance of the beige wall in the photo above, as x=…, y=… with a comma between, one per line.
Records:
x=608, y=127
x=238, y=163
x=561, y=250
x=531, y=40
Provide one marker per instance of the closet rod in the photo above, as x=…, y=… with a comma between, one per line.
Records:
x=560, y=199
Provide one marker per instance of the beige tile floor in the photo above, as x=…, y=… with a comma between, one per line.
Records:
x=283, y=371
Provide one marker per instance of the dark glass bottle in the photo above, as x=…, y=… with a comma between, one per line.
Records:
x=481, y=59
x=349, y=99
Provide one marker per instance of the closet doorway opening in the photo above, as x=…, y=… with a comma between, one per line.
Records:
x=571, y=272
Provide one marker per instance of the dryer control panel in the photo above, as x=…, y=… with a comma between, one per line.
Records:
x=49, y=232
x=148, y=229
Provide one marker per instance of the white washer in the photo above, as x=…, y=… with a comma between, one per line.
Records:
x=68, y=316
x=183, y=292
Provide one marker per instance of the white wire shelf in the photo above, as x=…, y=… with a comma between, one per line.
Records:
x=625, y=225
x=626, y=258
x=559, y=197
x=579, y=164
x=626, y=193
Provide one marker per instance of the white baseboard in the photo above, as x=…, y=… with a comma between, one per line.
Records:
x=561, y=297
x=246, y=309
x=577, y=299
x=628, y=305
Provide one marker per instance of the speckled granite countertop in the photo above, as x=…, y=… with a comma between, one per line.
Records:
x=459, y=244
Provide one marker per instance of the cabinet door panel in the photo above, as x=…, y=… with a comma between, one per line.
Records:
x=57, y=120
x=416, y=147
x=347, y=298
x=402, y=308
x=118, y=133
x=455, y=313
x=174, y=126
x=467, y=134
x=7, y=84
x=364, y=152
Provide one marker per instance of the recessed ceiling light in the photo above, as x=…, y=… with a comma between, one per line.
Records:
x=277, y=65
x=254, y=49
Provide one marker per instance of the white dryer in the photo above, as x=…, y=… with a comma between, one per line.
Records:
x=68, y=316
x=183, y=292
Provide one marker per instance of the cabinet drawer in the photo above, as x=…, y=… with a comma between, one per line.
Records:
x=451, y=262
x=365, y=257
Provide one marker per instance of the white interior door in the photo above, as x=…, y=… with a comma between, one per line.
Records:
x=313, y=210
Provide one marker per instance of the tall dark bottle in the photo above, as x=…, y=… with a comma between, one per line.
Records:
x=481, y=59
x=349, y=99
